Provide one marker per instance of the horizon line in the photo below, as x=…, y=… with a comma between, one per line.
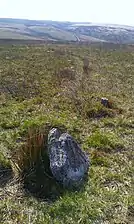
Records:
x=67, y=21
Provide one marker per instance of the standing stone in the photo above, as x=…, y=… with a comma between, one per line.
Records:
x=68, y=162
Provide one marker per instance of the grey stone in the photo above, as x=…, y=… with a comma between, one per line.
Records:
x=68, y=163
x=105, y=102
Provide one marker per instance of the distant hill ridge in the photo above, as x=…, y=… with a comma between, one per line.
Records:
x=43, y=30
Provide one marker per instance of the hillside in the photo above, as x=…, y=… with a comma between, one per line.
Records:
x=44, y=86
x=65, y=31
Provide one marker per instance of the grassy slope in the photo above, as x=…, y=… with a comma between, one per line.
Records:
x=12, y=34
x=55, y=33
x=15, y=29
x=65, y=31
x=35, y=32
x=37, y=99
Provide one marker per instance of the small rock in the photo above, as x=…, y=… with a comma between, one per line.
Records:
x=68, y=163
x=105, y=102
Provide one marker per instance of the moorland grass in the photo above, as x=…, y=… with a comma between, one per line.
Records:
x=34, y=97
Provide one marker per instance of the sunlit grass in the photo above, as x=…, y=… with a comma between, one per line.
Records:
x=41, y=87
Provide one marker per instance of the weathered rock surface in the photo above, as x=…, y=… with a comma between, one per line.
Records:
x=106, y=103
x=68, y=162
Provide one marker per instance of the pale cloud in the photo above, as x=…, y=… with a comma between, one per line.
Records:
x=102, y=11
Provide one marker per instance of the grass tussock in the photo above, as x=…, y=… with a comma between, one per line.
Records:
x=29, y=152
x=31, y=163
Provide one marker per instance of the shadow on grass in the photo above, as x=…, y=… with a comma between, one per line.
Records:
x=6, y=174
x=41, y=184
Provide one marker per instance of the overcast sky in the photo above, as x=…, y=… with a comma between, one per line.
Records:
x=101, y=11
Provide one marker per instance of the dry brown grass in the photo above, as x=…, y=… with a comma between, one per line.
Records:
x=30, y=151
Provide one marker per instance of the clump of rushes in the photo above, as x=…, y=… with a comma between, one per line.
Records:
x=31, y=163
x=29, y=152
